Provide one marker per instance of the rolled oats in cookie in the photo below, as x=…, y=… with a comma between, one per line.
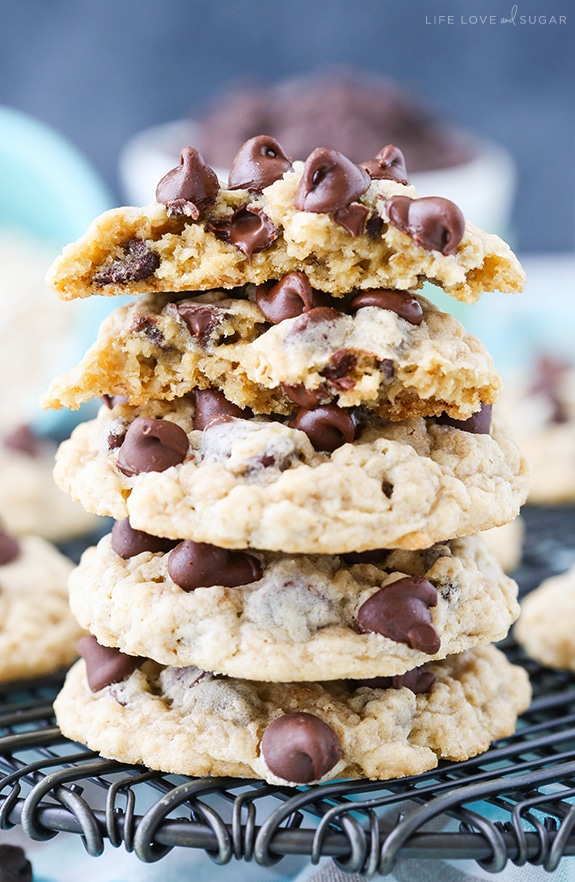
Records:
x=391, y=351
x=37, y=630
x=188, y=721
x=272, y=616
x=547, y=623
x=327, y=217
x=260, y=483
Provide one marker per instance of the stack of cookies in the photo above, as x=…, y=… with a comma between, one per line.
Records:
x=298, y=451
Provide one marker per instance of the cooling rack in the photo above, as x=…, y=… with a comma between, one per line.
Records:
x=514, y=803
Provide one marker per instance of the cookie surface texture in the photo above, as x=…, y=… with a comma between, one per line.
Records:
x=546, y=625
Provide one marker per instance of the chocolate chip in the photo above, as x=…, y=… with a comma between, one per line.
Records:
x=315, y=316
x=404, y=304
x=376, y=556
x=23, y=440
x=9, y=548
x=249, y=229
x=479, y=423
x=551, y=372
x=257, y=164
x=112, y=400
x=199, y=319
x=352, y=218
x=127, y=542
x=115, y=440
x=105, y=664
x=418, y=680
x=190, y=187
x=432, y=222
x=152, y=446
x=401, y=611
x=14, y=865
x=330, y=181
x=194, y=565
x=387, y=488
x=300, y=748
x=339, y=369
x=306, y=398
x=148, y=325
x=327, y=426
x=388, y=164
x=374, y=227
x=138, y=263
x=288, y=298
x=212, y=404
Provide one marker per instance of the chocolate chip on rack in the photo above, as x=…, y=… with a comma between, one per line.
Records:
x=190, y=187
x=127, y=542
x=433, y=222
x=138, y=263
x=290, y=297
x=152, y=446
x=257, y=164
x=404, y=304
x=199, y=319
x=478, y=423
x=14, y=865
x=105, y=664
x=401, y=611
x=249, y=229
x=388, y=164
x=327, y=426
x=418, y=680
x=194, y=565
x=300, y=748
x=9, y=548
x=330, y=184
x=212, y=404
x=23, y=440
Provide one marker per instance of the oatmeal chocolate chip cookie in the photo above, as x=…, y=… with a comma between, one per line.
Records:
x=391, y=351
x=187, y=721
x=269, y=616
x=541, y=408
x=546, y=627
x=30, y=501
x=37, y=631
x=326, y=217
x=263, y=484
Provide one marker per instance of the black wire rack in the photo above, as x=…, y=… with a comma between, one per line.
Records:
x=516, y=802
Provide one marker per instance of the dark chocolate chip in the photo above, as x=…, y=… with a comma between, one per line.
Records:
x=199, y=319
x=352, y=218
x=257, y=164
x=288, y=298
x=139, y=262
x=115, y=440
x=306, y=398
x=315, y=316
x=432, y=222
x=112, y=400
x=105, y=664
x=327, y=426
x=9, y=548
x=300, y=748
x=330, y=181
x=338, y=372
x=401, y=611
x=212, y=404
x=387, y=488
x=194, y=565
x=14, y=865
x=152, y=446
x=23, y=440
x=374, y=227
x=404, y=304
x=418, y=680
x=479, y=423
x=127, y=542
x=376, y=556
x=249, y=229
x=190, y=187
x=388, y=164
x=148, y=325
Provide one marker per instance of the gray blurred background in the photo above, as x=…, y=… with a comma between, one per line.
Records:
x=101, y=71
